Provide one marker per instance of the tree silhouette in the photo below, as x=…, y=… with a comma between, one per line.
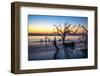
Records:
x=68, y=29
x=57, y=49
x=85, y=34
x=62, y=31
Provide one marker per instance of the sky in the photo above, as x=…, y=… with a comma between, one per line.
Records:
x=45, y=23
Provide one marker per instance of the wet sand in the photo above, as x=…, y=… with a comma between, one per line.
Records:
x=47, y=52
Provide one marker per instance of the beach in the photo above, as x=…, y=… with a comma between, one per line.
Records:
x=46, y=51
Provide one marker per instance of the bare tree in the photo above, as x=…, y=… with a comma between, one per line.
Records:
x=57, y=49
x=63, y=31
x=85, y=33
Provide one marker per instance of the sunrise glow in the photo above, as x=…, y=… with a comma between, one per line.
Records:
x=45, y=24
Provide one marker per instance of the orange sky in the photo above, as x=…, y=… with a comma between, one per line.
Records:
x=47, y=29
x=36, y=29
x=45, y=23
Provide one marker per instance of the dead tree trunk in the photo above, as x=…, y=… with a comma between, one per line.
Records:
x=63, y=32
x=57, y=49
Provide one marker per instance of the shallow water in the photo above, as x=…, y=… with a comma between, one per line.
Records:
x=36, y=40
x=40, y=49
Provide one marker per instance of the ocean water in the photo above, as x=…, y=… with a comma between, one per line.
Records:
x=39, y=49
x=35, y=40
